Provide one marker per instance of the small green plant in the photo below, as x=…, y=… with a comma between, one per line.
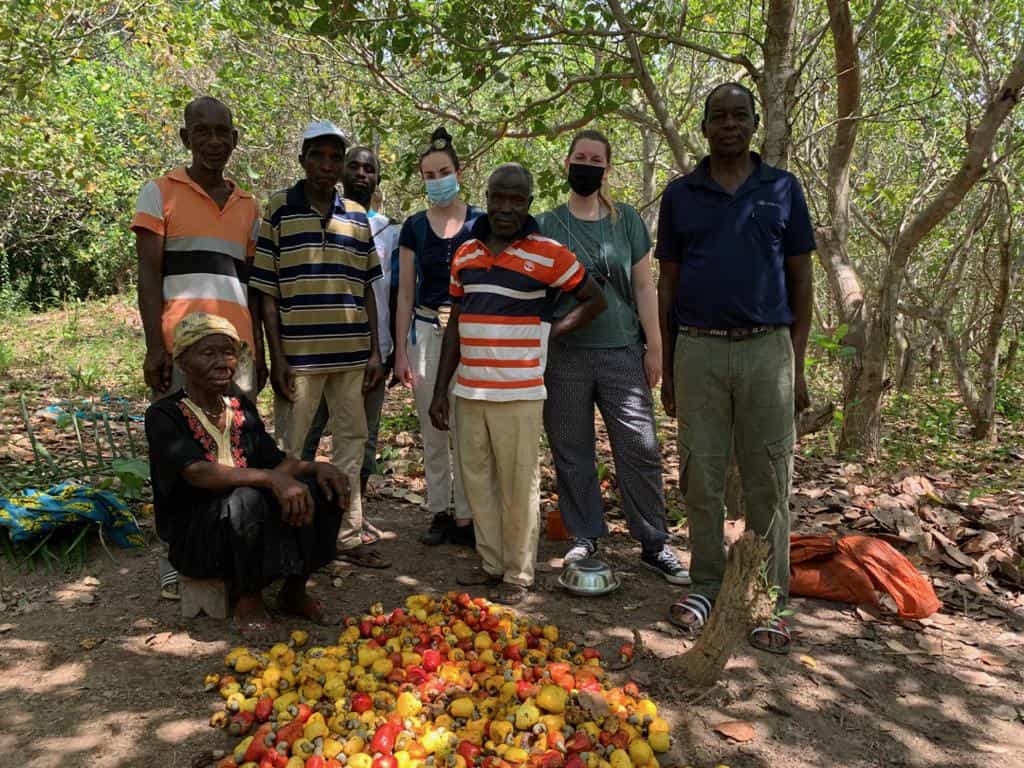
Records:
x=406, y=421
x=132, y=475
x=1009, y=398
x=938, y=421
x=6, y=358
x=70, y=331
x=85, y=378
x=831, y=344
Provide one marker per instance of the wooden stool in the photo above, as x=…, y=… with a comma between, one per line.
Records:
x=207, y=595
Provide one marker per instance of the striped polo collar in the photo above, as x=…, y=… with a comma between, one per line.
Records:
x=296, y=198
x=181, y=176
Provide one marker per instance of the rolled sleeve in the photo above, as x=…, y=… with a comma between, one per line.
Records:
x=668, y=247
x=149, y=210
x=263, y=276
x=568, y=273
x=798, y=236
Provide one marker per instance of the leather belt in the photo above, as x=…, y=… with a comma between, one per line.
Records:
x=732, y=334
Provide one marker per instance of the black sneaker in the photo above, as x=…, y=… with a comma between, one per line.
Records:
x=666, y=562
x=439, y=530
x=581, y=549
x=462, y=535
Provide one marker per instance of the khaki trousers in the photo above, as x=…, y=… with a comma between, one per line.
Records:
x=347, y=421
x=440, y=465
x=743, y=391
x=499, y=452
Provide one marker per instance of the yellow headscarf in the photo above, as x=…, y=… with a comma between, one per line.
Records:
x=199, y=325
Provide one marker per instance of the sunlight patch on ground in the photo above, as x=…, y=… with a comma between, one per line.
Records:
x=178, y=731
x=172, y=644
x=111, y=741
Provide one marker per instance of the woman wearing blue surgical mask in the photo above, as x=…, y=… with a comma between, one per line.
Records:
x=611, y=365
x=427, y=242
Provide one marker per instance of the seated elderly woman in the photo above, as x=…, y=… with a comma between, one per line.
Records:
x=227, y=501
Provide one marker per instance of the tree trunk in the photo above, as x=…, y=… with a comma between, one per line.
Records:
x=935, y=362
x=907, y=375
x=864, y=383
x=743, y=603
x=903, y=351
x=650, y=177
x=1011, y=353
x=777, y=80
x=866, y=379
x=979, y=394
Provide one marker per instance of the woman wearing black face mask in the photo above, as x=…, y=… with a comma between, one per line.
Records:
x=607, y=364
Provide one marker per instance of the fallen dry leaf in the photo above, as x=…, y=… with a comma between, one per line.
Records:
x=868, y=612
x=90, y=642
x=895, y=645
x=983, y=542
x=737, y=730
x=975, y=677
x=807, y=661
x=931, y=645
x=915, y=485
x=993, y=660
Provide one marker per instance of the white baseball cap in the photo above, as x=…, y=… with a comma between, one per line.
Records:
x=320, y=128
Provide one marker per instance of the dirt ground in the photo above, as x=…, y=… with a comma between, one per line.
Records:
x=96, y=670
x=99, y=671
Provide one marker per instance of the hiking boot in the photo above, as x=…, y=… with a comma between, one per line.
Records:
x=666, y=562
x=439, y=530
x=581, y=549
x=462, y=535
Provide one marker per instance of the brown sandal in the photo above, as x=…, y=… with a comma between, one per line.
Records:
x=364, y=557
x=476, y=577
x=509, y=594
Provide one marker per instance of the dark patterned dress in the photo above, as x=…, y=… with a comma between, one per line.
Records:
x=237, y=535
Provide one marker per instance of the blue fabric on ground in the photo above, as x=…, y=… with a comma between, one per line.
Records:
x=33, y=514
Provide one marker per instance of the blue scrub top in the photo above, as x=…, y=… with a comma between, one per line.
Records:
x=732, y=248
x=434, y=258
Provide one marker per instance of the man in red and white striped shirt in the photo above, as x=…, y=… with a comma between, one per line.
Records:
x=502, y=284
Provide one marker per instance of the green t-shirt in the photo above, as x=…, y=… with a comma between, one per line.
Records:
x=608, y=251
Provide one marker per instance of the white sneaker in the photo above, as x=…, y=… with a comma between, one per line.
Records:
x=581, y=549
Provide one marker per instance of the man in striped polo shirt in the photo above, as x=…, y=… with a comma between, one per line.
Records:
x=315, y=263
x=195, y=233
x=502, y=285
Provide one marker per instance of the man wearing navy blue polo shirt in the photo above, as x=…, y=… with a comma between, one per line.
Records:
x=734, y=296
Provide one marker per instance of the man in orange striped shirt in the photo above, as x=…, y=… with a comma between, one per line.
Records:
x=502, y=284
x=195, y=234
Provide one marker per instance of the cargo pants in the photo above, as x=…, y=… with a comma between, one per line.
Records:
x=735, y=389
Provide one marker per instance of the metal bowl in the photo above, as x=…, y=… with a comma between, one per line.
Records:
x=589, y=578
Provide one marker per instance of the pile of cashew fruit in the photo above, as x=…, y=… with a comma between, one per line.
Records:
x=454, y=682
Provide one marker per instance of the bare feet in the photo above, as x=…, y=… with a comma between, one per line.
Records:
x=251, y=617
x=296, y=601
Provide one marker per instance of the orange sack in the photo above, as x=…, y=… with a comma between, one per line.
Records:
x=853, y=569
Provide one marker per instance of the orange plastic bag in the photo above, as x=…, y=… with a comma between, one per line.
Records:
x=852, y=569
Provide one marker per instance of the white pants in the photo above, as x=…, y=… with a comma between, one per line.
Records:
x=439, y=464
